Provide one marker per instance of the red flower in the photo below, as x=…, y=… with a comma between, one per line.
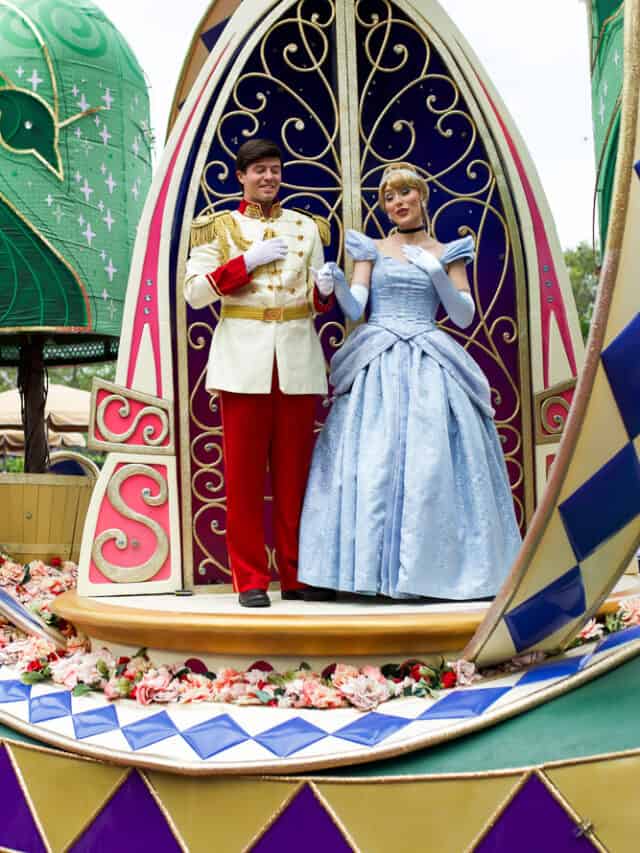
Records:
x=34, y=666
x=52, y=656
x=123, y=661
x=133, y=691
x=328, y=671
x=2, y=560
x=262, y=665
x=448, y=679
x=56, y=562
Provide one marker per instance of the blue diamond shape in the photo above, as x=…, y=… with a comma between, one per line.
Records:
x=555, y=669
x=621, y=360
x=547, y=611
x=618, y=639
x=150, y=730
x=372, y=728
x=290, y=737
x=464, y=703
x=214, y=736
x=51, y=706
x=95, y=722
x=603, y=505
x=14, y=691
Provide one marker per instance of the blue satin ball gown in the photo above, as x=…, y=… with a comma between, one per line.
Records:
x=408, y=492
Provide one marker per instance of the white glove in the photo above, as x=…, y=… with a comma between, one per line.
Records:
x=352, y=299
x=264, y=252
x=323, y=279
x=457, y=303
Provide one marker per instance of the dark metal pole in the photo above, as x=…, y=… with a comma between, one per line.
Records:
x=32, y=384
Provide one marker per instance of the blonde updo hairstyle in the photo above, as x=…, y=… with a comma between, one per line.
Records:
x=399, y=175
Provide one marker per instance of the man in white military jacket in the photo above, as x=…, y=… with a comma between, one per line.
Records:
x=265, y=362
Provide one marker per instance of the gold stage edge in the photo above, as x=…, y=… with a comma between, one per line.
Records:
x=215, y=624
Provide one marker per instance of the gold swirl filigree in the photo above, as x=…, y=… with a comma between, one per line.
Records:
x=152, y=435
x=558, y=420
x=145, y=571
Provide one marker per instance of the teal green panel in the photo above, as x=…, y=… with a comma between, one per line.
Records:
x=599, y=717
x=9, y=734
x=75, y=148
x=36, y=288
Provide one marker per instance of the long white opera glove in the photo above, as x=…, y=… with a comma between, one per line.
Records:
x=264, y=252
x=352, y=299
x=457, y=303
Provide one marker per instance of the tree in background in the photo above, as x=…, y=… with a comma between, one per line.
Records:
x=583, y=271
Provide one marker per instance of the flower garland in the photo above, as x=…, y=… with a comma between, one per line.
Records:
x=339, y=685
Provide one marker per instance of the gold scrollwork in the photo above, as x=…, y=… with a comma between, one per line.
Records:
x=152, y=434
x=415, y=72
x=145, y=571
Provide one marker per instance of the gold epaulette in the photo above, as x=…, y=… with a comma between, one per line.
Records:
x=324, y=228
x=218, y=227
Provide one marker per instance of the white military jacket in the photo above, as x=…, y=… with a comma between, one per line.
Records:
x=242, y=351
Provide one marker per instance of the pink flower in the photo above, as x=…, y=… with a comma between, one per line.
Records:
x=344, y=672
x=11, y=573
x=156, y=685
x=373, y=672
x=37, y=569
x=465, y=672
x=630, y=611
x=593, y=630
x=196, y=688
x=112, y=689
x=365, y=693
x=65, y=671
x=523, y=661
x=319, y=695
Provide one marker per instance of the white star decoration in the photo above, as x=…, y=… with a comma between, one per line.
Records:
x=103, y=168
x=111, y=183
x=83, y=103
x=19, y=70
x=58, y=213
x=101, y=206
x=601, y=111
x=97, y=120
x=78, y=133
x=135, y=190
x=86, y=190
x=49, y=200
x=89, y=233
x=105, y=295
x=103, y=255
x=75, y=91
x=108, y=219
x=35, y=80
x=110, y=269
x=81, y=220
x=108, y=98
x=77, y=177
x=104, y=133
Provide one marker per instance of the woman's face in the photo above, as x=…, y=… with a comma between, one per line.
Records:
x=403, y=206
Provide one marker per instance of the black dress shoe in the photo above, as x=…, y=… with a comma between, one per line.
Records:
x=319, y=593
x=254, y=598
x=292, y=594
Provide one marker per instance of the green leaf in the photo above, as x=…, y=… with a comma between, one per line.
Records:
x=263, y=696
x=34, y=677
x=81, y=690
x=102, y=668
x=27, y=574
x=141, y=653
x=304, y=666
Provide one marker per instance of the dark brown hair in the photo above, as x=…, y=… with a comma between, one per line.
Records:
x=256, y=149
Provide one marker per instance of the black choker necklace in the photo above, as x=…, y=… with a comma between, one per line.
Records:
x=411, y=230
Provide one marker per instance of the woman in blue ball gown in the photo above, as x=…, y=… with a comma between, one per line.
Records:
x=408, y=492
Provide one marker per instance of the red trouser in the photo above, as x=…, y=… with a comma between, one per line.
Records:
x=257, y=428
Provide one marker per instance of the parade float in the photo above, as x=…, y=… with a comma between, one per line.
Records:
x=347, y=725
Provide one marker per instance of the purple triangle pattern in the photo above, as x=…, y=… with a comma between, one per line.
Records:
x=534, y=821
x=303, y=825
x=18, y=830
x=130, y=821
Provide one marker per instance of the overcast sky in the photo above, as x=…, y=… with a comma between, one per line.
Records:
x=535, y=53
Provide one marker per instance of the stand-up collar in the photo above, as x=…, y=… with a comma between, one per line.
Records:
x=254, y=210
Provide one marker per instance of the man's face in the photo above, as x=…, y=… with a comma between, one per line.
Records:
x=261, y=181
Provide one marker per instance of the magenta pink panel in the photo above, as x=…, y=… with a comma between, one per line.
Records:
x=119, y=425
x=142, y=540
